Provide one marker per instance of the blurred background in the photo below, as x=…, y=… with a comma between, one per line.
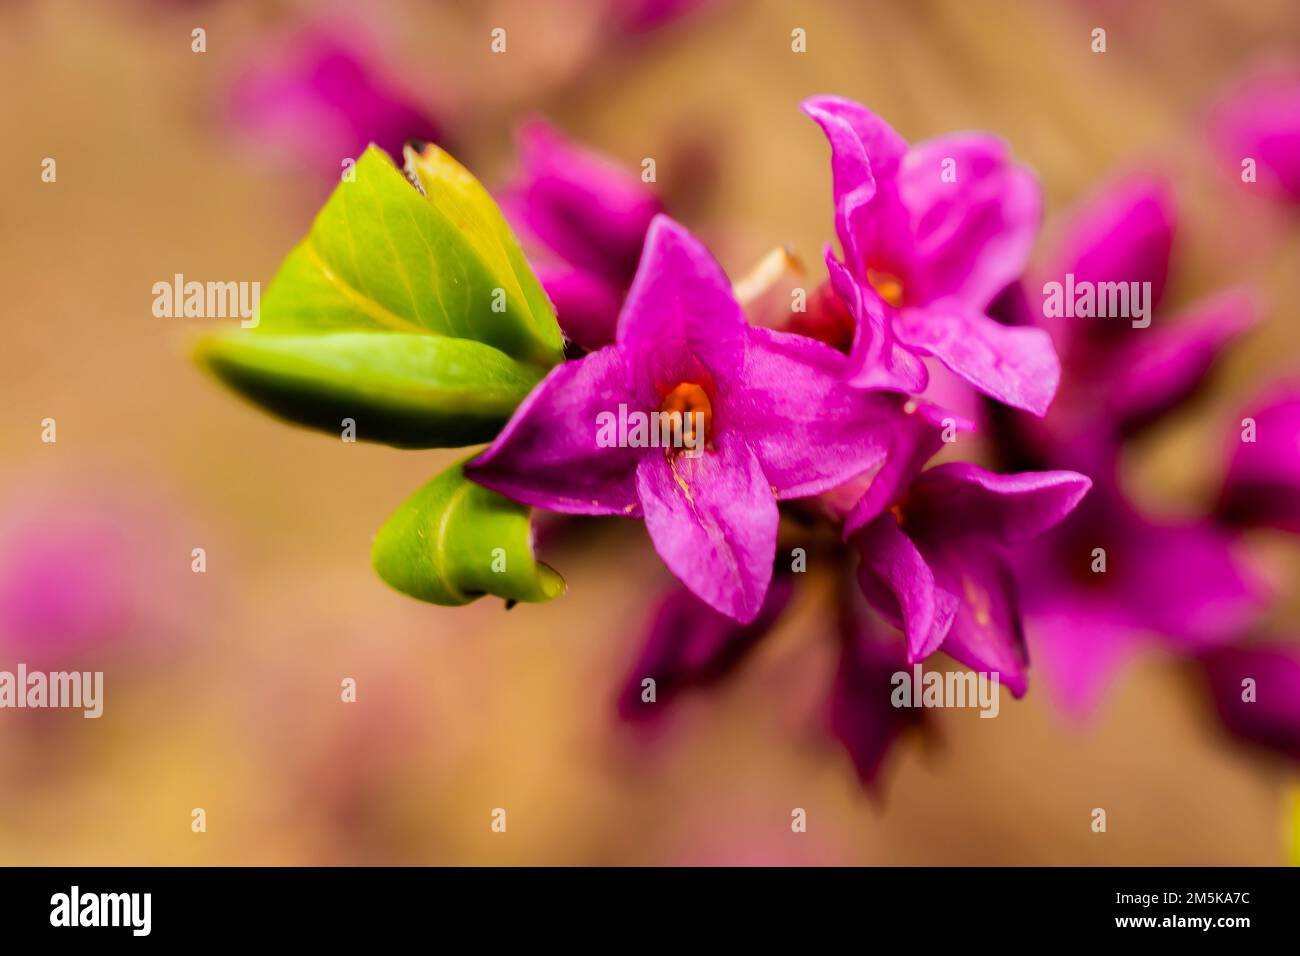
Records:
x=223, y=688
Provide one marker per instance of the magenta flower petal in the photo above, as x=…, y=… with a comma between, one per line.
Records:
x=1190, y=582
x=986, y=632
x=936, y=565
x=973, y=235
x=899, y=584
x=965, y=500
x=691, y=645
x=959, y=518
x=808, y=430
x=914, y=442
x=327, y=89
x=713, y=521
x=1167, y=364
x=1262, y=485
x=1017, y=366
x=1123, y=234
x=1180, y=586
x=583, y=220
x=680, y=321
x=584, y=207
x=877, y=359
x=1079, y=648
x=871, y=221
x=547, y=455
x=862, y=717
x=1183, y=581
x=1259, y=119
x=852, y=182
x=586, y=304
x=1265, y=711
x=877, y=140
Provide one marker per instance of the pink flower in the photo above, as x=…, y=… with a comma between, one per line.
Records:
x=323, y=97
x=930, y=235
x=934, y=551
x=1258, y=121
x=777, y=423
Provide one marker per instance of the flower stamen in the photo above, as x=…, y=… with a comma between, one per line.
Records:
x=888, y=287
x=690, y=403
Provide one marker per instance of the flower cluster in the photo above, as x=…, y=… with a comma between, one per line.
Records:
x=934, y=243
x=929, y=236
x=615, y=370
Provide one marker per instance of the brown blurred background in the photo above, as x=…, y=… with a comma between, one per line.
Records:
x=224, y=692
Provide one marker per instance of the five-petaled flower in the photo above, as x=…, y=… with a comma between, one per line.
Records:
x=781, y=425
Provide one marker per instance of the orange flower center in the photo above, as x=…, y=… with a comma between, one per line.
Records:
x=888, y=287
x=691, y=402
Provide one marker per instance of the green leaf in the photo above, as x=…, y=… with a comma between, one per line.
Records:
x=462, y=198
x=409, y=307
x=413, y=391
x=454, y=541
x=386, y=255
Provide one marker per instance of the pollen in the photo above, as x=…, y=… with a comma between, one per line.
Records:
x=888, y=287
x=691, y=402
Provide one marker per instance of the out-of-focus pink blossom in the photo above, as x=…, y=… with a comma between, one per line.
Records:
x=1262, y=484
x=1256, y=124
x=644, y=16
x=583, y=220
x=65, y=588
x=861, y=715
x=322, y=96
x=1110, y=580
x=1256, y=691
x=691, y=646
